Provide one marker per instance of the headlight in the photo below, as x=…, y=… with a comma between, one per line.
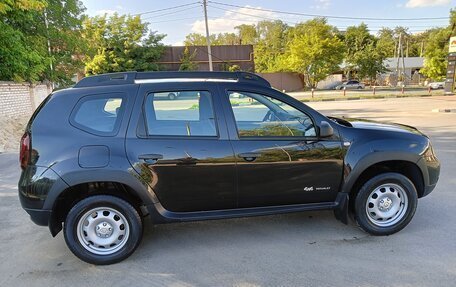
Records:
x=429, y=154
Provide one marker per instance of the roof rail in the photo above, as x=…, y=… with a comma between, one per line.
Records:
x=107, y=80
x=143, y=77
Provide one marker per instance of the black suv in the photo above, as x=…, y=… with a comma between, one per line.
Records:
x=99, y=157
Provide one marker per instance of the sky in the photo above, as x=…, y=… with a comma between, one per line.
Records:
x=178, y=22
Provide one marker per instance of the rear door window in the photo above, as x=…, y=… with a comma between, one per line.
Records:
x=191, y=114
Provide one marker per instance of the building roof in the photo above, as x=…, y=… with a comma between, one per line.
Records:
x=409, y=62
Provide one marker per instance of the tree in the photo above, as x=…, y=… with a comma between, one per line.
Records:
x=386, y=43
x=314, y=51
x=271, y=45
x=362, y=54
x=436, y=50
x=22, y=5
x=120, y=43
x=357, y=38
x=22, y=55
x=63, y=34
x=196, y=39
x=25, y=39
x=187, y=63
x=247, y=34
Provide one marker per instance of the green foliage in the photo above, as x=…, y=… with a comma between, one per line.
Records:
x=24, y=39
x=187, y=63
x=120, y=43
x=227, y=66
x=196, y=39
x=271, y=44
x=234, y=68
x=436, y=50
x=21, y=5
x=20, y=58
x=362, y=53
x=247, y=34
x=314, y=51
x=64, y=34
x=435, y=56
x=386, y=43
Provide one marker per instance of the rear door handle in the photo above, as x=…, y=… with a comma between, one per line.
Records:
x=249, y=156
x=150, y=158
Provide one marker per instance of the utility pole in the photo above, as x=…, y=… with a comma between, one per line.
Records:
x=208, y=40
x=399, y=48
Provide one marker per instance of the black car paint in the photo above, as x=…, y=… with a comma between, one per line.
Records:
x=206, y=178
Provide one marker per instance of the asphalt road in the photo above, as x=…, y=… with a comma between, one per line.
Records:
x=305, y=249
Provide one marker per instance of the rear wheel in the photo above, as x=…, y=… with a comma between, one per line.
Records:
x=385, y=204
x=172, y=96
x=103, y=229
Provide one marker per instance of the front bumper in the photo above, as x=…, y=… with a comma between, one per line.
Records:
x=430, y=167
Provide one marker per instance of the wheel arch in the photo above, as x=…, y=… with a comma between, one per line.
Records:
x=83, y=184
x=408, y=168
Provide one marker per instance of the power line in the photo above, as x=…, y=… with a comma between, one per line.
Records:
x=176, y=20
x=251, y=15
x=341, y=28
x=331, y=16
x=165, y=9
x=170, y=13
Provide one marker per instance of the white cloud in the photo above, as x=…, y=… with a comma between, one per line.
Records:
x=321, y=4
x=426, y=3
x=230, y=19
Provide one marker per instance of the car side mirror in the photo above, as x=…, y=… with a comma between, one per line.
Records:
x=326, y=130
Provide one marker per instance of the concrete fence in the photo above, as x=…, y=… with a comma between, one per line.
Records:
x=21, y=99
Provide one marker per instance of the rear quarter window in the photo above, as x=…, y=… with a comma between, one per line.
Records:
x=99, y=114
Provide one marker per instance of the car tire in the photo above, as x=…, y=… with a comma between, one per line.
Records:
x=359, y=88
x=385, y=204
x=103, y=229
x=171, y=96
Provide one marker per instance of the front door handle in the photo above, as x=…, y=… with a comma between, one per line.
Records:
x=150, y=158
x=249, y=156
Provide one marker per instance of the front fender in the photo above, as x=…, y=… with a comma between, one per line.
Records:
x=360, y=157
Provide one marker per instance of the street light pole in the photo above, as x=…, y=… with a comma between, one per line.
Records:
x=208, y=40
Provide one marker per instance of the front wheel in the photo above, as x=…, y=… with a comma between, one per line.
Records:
x=103, y=229
x=386, y=204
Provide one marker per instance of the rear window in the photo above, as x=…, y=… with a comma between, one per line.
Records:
x=99, y=114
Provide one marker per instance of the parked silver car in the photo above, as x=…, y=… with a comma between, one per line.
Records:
x=350, y=85
x=436, y=85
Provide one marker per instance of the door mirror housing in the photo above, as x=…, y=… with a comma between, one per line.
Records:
x=326, y=130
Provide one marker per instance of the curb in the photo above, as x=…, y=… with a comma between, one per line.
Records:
x=376, y=97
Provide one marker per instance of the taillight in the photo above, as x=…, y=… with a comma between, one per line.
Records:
x=24, y=155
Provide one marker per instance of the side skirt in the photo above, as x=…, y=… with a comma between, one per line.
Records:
x=160, y=215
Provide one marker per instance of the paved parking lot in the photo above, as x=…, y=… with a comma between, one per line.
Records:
x=305, y=249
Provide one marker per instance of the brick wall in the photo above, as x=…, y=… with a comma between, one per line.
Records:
x=17, y=99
